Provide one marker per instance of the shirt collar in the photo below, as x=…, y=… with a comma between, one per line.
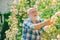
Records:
x=36, y=20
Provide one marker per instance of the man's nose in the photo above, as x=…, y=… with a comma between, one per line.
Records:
x=35, y=15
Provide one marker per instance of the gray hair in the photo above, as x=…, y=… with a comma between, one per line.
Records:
x=28, y=11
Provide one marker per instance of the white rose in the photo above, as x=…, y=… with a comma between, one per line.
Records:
x=57, y=13
x=58, y=36
x=46, y=28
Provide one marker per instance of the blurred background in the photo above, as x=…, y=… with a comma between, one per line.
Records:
x=13, y=13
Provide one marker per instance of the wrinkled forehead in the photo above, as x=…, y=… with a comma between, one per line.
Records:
x=31, y=10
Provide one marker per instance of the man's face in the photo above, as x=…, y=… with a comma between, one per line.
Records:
x=33, y=14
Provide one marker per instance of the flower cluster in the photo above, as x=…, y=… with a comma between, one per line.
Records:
x=12, y=22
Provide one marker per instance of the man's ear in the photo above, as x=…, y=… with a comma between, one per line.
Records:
x=28, y=14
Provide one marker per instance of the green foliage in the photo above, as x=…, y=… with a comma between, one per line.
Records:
x=48, y=9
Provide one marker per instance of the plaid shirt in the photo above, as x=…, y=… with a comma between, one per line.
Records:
x=28, y=32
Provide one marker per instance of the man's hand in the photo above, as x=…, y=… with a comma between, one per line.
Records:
x=54, y=19
x=39, y=25
x=48, y=22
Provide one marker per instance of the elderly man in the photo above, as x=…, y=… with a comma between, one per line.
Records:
x=32, y=26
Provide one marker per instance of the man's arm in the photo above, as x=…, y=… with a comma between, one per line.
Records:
x=39, y=25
